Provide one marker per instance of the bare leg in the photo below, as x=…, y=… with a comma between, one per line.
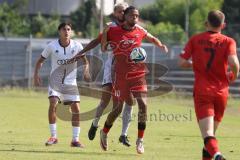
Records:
x=105, y=99
x=53, y=101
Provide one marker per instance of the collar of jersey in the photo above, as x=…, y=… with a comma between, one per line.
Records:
x=62, y=45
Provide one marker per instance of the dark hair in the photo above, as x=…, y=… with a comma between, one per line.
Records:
x=216, y=18
x=127, y=10
x=63, y=24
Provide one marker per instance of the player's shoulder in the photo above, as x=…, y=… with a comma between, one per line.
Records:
x=53, y=44
x=75, y=42
x=228, y=39
x=140, y=28
x=112, y=24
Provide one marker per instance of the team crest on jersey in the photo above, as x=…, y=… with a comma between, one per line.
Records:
x=137, y=35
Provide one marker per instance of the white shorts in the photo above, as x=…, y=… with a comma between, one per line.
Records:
x=107, y=75
x=63, y=97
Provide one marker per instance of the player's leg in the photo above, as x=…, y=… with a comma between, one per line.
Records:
x=53, y=101
x=142, y=118
x=204, y=107
x=75, y=124
x=126, y=119
x=105, y=99
x=119, y=93
x=112, y=116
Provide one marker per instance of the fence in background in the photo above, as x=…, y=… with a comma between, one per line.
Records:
x=18, y=58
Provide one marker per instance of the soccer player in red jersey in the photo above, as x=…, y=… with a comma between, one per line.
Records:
x=129, y=77
x=107, y=82
x=211, y=53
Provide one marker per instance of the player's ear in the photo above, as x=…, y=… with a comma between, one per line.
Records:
x=223, y=25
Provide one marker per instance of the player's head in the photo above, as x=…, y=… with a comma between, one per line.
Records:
x=131, y=15
x=119, y=11
x=216, y=19
x=65, y=30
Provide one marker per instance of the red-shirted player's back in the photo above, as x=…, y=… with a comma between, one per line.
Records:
x=210, y=52
x=122, y=43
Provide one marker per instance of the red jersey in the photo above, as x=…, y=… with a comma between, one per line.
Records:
x=209, y=52
x=122, y=43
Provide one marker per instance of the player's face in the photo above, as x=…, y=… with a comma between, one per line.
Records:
x=118, y=13
x=132, y=17
x=65, y=32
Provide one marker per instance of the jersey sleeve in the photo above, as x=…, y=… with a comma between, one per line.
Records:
x=144, y=32
x=187, y=51
x=46, y=52
x=79, y=47
x=232, y=48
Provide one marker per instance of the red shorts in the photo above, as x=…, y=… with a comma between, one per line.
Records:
x=122, y=86
x=206, y=106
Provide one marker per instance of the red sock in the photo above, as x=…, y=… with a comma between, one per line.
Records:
x=211, y=145
x=106, y=128
x=140, y=133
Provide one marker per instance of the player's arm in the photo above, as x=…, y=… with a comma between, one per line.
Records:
x=104, y=40
x=38, y=66
x=156, y=41
x=88, y=47
x=86, y=73
x=183, y=63
x=234, y=67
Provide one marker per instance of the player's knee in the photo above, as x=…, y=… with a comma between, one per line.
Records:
x=75, y=108
x=130, y=101
x=104, y=103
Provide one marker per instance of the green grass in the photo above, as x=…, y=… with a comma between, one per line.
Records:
x=24, y=129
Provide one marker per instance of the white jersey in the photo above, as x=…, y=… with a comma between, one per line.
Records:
x=107, y=75
x=59, y=57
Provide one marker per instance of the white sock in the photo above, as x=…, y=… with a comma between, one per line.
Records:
x=75, y=133
x=53, y=130
x=126, y=118
x=95, y=122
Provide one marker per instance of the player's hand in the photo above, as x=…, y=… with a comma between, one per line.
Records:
x=87, y=76
x=164, y=48
x=230, y=77
x=37, y=80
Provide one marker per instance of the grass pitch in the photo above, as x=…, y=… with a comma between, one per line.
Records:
x=172, y=132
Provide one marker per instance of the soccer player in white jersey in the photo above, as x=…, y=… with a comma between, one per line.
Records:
x=107, y=83
x=61, y=51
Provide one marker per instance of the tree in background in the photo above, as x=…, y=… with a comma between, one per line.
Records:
x=232, y=12
x=174, y=13
x=168, y=33
x=198, y=13
x=85, y=19
x=44, y=27
x=12, y=23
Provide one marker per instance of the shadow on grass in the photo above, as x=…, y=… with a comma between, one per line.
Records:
x=82, y=152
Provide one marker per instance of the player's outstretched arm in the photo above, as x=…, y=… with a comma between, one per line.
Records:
x=88, y=47
x=184, y=63
x=156, y=41
x=234, y=67
x=104, y=40
x=38, y=66
x=86, y=73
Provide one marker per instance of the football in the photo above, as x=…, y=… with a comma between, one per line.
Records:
x=138, y=55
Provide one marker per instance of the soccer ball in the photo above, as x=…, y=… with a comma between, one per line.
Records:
x=138, y=55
